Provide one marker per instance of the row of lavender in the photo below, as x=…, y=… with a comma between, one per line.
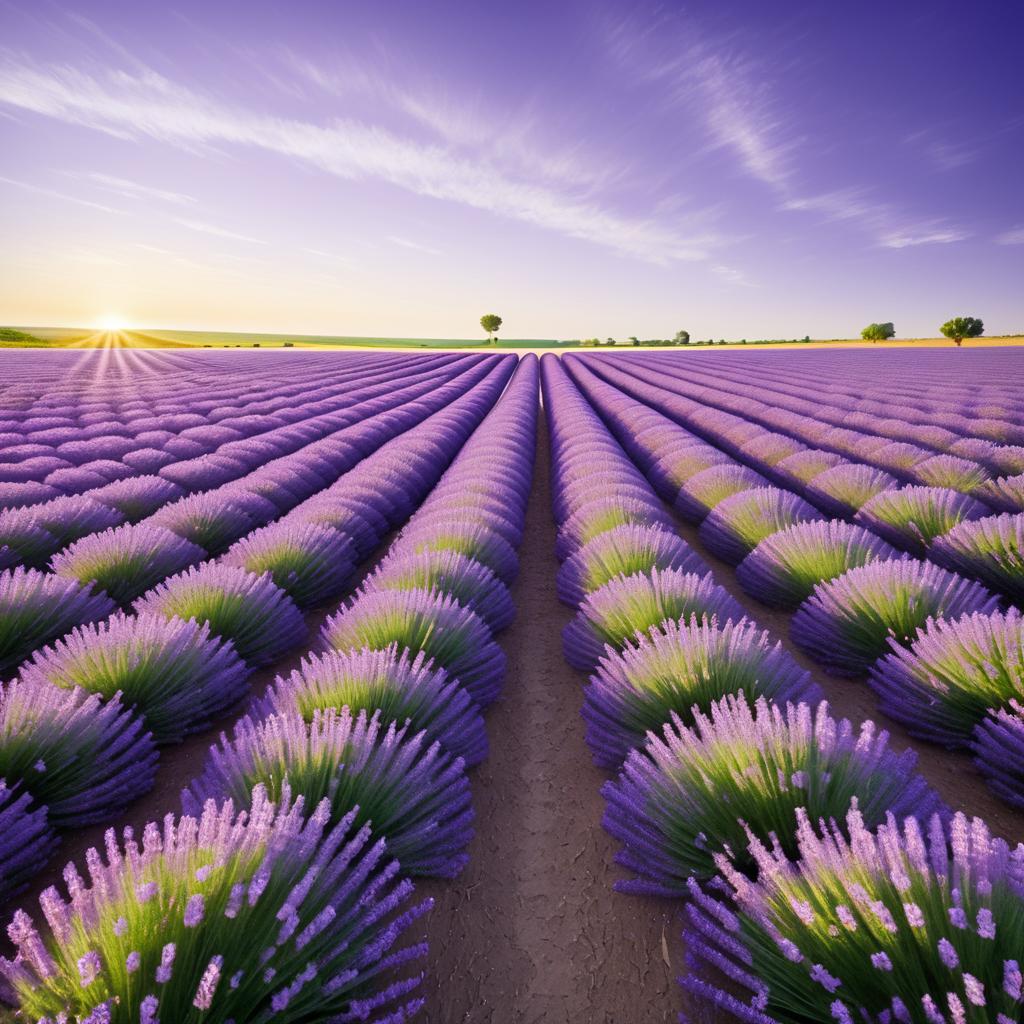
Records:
x=76, y=437
x=81, y=724
x=728, y=758
x=126, y=561
x=373, y=733
x=213, y=457
x=940, y=415
x=943, y=656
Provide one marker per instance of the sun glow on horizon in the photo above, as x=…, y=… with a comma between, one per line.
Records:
x=111, y=322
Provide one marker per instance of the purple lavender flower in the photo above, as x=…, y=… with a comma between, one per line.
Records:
x=602, y=514
x=31, y=492
x=998, y=746
x=623, y=551
x=74, y=516
x=847, y=623
x=989, y=549
x=455, y=638
x=689, y=794
x=911, y=517
x=126, y=561
x=448, y=572
x=629, y=606
x=943, y=684
x=705, y=490
x=1006, y=494
x=37, y=607
x=798, y=470
x=310, y=563
x=737, y=524
x=353, y=518
x=786, y=566
x=473, y=539
x=26, y=839
x=950, y=471
x=678, y=668
x=399, y=688
x=259, y=618
x=213, y=521
x=169, y=671
x=887, y=970
x=24, y=540
x=315, y=930
x=138, y=496
x=83, y=758
x=413, y=795
x=844, y=489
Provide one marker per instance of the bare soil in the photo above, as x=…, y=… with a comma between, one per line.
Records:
x=532, y=931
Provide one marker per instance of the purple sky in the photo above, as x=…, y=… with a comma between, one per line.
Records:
x=742, y=169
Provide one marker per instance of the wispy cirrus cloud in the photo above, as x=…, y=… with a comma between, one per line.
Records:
x=143, y=103
x=54, y=194
x=215, y=229
x=408, y=243
x=890, y=228
x=133, y=189
x=728, y=91
x=1014, y=236
x=921, y=236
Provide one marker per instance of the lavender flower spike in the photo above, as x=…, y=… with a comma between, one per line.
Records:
x=83, y=758
x=171, y=672
x=691, y=793
x=411, y=794
x=847, y=623
x=681, y=667
x=301, y=921
x=870, y=925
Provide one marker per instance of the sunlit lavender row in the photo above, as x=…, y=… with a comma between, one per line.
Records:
x=742, y=774
x=345, y=779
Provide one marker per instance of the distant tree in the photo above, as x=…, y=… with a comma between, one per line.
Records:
x=609, y=341
x=590, y=342
x=634, y=340
x=682, y=338
x=491, y=323
x=961, y=327
x=878, y=332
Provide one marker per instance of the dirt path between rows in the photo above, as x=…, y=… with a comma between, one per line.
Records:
x=532, y=933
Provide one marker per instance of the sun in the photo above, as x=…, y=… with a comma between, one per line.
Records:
x=111, y=323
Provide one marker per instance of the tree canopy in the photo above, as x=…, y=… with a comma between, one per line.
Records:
x=682, y=338
x=490, y=322
x=878, y=332
x=961, y=327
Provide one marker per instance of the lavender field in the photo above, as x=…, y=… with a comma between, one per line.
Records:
x=471, y=687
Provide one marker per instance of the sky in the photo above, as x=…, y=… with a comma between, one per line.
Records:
x=751, y=169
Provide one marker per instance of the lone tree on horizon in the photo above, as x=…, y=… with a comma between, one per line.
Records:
x=490, y=322
x=961, y=327
x=878, y=332
x=682, y=338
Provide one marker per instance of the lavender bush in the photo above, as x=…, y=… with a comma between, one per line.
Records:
x=263, y=915
x=909, y=923
x=682, y=668
x=690, y=794
x=409, y=792
x=847, y=623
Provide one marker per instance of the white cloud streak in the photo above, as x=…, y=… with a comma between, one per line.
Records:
x=135, y=190
x=408, y=243
x=219, y=232
x=53, y=194
x=134, y=105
